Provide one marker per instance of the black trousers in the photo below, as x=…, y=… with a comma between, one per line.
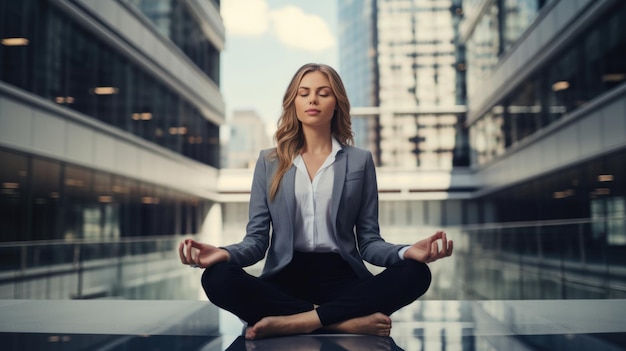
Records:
x=322, y=279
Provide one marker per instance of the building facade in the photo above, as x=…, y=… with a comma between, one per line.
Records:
x=101, y=117
x=547, y=118
x=537, y=86
x=248, y=135
x=407, y=63
x=110, y=114
x=358, y=65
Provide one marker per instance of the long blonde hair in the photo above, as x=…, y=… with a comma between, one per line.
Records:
x=289, y=136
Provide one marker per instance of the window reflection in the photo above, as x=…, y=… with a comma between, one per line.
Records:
x=498, y=29
x=13, y=196
x=592, y=65
x=572, y=218
x=595, y=190
x=42, y=199
x=488, y=137
x=483, y=48
x=524, y=111
x=518, y=15
x=173, y=20
x=565, y=85
x=69, y=66
x=45, y=203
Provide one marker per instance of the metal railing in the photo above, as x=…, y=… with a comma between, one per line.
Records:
x=22, y=255
x=575, y=258
x=555, y=259
x=85, y=268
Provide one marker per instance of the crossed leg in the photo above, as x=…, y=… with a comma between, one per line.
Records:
x=362, y=309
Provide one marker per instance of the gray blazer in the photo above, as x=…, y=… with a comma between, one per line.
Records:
x=354, y=210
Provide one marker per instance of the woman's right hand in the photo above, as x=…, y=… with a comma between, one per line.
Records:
x=201, y=255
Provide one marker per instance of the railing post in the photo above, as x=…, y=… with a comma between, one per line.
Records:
x=23, y=267
x=539, y=242
x=581, y=244
x=78, y=269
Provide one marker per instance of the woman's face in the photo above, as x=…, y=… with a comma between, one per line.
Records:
x=315, y=102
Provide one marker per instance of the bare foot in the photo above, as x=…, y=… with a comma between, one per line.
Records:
x=301, y=323
x=375, y=324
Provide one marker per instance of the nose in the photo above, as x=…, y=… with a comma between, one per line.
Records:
x=312, y=99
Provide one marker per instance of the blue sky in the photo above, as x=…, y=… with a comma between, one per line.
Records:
x=266, y=42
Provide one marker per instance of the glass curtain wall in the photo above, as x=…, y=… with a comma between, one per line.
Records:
x=46, y=53
x=43, y=199
x=558, y=236
x=587, y=68
x=500, y=25
x=174, y=20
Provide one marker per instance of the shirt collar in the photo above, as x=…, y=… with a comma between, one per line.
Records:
x=336, y=147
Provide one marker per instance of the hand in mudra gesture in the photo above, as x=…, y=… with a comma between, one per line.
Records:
x=427, y=250
x=201, y=255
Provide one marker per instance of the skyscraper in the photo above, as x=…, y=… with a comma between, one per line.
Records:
x=406, y=62
x=110, y=114
x=547, y=116
x=358, y=63
x=109, y=117
x=545, y=111
x=248, y=135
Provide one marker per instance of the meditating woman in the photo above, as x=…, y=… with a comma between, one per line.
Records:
x=314, y=213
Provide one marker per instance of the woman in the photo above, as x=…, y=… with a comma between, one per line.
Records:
x=318, y=197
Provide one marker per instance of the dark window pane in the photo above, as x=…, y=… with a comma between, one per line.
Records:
x=46, y=199
x=14, y=188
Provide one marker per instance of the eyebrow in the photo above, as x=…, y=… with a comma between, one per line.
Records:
x=322, y=87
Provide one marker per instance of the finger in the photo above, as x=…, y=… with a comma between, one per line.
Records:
x=444, y=244
x=190, y=259
x=451, y=247
x=195, y=244
x=181, y=252
x=434, y=252
x=437, y=235
x=187, y=252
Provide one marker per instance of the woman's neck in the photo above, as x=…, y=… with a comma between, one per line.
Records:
x=317, y=141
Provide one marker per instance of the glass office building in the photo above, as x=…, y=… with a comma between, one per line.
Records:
x=547, y=118
x=402, y=58
x=540, y=124
x=358, y=65
x=109, y=124
x=100, y=81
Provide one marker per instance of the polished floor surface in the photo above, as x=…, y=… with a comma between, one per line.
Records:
x=423, y=325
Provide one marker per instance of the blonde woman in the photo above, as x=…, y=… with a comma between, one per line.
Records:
x=314, y=212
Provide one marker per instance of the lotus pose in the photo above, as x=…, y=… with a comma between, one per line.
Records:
x=314, y=213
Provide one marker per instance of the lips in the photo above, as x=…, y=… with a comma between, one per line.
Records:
x=312, y=111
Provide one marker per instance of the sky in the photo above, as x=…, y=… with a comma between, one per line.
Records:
x=266, y=42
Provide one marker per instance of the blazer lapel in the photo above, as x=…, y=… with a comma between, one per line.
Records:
x=287, y=190
x=341, y=164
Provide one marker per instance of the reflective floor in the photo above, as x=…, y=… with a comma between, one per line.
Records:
x=423, y=325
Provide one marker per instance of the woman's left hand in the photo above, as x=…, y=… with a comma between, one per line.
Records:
x=427, y=250
x=201, y=255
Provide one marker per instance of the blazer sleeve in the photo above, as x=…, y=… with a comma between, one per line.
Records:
x=256, y=241
x=373, y=248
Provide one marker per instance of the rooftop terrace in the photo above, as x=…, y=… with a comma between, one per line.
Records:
x=423, y=325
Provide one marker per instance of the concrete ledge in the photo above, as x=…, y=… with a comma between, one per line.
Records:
x=123, y=317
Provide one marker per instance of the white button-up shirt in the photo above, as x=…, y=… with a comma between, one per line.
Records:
x=314, y=198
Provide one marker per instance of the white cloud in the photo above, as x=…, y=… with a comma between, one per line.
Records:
x=300, y=30
x=245, y=17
